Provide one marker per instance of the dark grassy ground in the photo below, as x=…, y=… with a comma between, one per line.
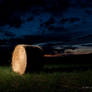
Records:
x=47, y=80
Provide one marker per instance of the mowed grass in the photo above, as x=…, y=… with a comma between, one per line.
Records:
x=75, y=81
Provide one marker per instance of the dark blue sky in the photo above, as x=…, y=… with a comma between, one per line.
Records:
x=11, y=10
x=64, y=20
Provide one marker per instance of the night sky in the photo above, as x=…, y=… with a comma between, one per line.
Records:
x=58, y=24
x=61, y=19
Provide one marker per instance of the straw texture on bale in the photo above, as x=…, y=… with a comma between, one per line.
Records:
x=27, y=58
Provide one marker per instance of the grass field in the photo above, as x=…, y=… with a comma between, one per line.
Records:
x=44, y=81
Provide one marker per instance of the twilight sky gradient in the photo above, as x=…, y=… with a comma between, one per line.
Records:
x=68, y=22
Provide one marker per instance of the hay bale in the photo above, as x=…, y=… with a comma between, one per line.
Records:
x=27, y=58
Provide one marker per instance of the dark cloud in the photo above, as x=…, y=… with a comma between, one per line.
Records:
x=11, y=10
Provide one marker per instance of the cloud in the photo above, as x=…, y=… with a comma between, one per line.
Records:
x=11, y=10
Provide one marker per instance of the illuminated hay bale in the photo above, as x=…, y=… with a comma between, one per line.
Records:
x=26, y=58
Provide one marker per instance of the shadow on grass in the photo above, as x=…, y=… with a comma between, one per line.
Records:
x=65, y=64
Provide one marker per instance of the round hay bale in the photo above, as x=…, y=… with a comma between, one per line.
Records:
x=27, y=58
